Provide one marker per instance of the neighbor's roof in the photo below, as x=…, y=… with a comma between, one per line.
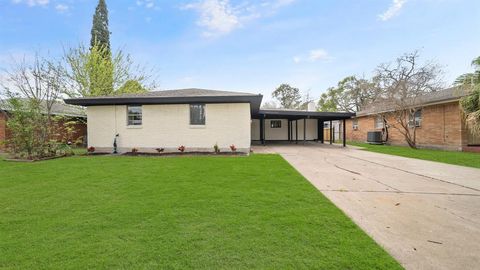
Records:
x=438, y=97
x=178, y=96
x=58, y=108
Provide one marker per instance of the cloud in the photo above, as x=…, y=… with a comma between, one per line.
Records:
x=220, y=17
x=217, y=16
x=146, y=3
x=32, y=3
x=62, y=8
x=313, y=56
x=393, y=10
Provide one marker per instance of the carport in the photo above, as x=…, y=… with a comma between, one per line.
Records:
x=295, y=120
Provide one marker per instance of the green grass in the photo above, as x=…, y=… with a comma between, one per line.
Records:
x=450, y=157
x=252, y=212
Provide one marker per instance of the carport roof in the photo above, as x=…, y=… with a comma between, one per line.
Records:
x=298, y=114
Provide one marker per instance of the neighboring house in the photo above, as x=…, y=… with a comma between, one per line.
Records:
x=195, y=118
x=70, y=112
x=439, y=123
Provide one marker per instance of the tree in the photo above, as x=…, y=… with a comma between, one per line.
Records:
x=31, y=91
x=350, y=95
x=288, y=96
x=471, y=103
x=132, y=87
x=100, y=35
x=85, y=68
x=101, y=70
x=402, y=84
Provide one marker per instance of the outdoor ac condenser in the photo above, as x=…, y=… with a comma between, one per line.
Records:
x=374, y=137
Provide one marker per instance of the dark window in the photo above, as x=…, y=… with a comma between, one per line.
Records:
x=134, y=115
x=197, y=114
x=275, y=124
x=416, y=119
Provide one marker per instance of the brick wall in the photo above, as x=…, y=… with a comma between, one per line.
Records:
x=442, y=127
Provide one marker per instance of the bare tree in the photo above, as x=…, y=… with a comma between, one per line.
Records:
x=404, y=83
x=31, y=90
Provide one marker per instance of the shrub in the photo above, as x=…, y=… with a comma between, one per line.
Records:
x=216, y=149
x=233, y=148
x=181, y=148
x=134, y=150
x=91, y=149
x=160, y=150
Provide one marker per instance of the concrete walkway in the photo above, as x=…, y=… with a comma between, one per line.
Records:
x=425, y=214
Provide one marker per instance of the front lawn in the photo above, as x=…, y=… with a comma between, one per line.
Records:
x=174, y=213
x=450, y=157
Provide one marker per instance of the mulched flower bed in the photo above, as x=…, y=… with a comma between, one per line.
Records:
x=186, y=154
x=35, y=160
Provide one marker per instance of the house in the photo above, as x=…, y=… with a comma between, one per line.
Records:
x=195, y=118
x=439, y=123
x=75, y=113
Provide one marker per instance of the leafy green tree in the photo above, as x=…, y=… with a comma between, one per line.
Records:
x=350, y=95
x=100, y=35
x=132, y=87
x=471, y=103
x=289, y=97
x=87, y=67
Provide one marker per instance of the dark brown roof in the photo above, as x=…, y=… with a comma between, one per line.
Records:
x=443, y=96
x=178, y=96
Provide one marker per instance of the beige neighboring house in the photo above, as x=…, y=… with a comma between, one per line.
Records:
x=439, y=123
x=195, y=118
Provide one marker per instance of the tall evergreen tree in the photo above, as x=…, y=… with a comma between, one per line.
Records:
x=100, y=35
x=101, y=67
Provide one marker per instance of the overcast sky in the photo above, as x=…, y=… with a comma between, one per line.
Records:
x=254, y=46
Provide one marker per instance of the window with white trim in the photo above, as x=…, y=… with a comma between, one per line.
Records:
x=415, y=119
x=379, y=123
x=197, y=114
x=355, y=123
x=134, y=115
x=275, y=123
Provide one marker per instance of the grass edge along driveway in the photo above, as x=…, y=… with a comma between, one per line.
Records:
x=467, y=159
x=253, y=212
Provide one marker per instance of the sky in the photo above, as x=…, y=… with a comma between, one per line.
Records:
x=253, y=46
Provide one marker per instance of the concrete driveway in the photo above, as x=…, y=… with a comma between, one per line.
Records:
x=425, y=214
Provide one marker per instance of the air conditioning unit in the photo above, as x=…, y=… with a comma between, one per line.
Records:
x=375, y=137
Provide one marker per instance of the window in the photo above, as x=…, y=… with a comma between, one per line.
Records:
x=275, y=124
x=415, y=119
x=134, y=115
x=379, y=122
x=355, y=123
x=197, y=114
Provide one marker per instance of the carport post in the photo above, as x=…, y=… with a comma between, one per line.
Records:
x=288, y=126
x=296, y=131
x=320, y=130
x=331, y=133
x=262, y=129
x=304, y=130
x=344, y=134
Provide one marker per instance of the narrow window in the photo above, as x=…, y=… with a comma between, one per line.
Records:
x=275, y=124
x=134, y=115
x=197, y=114
x=415, y=119
x=379, y=122
x=355, y=123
